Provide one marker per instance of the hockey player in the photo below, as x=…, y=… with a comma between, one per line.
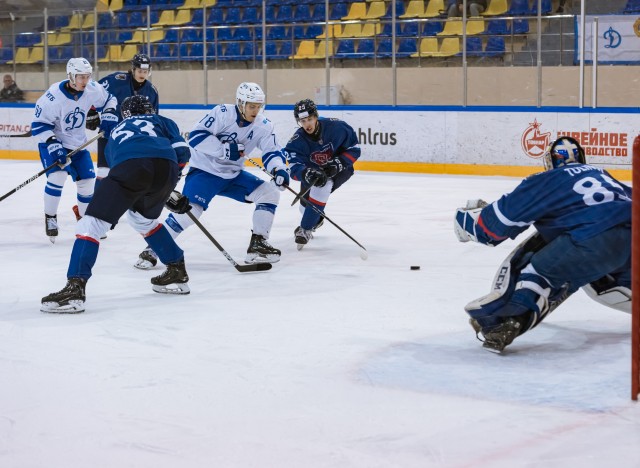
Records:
x=146, y=153
x=219, y=142
x=59, y=123
x=321, y=155
x=583, y=218
x=123, y=85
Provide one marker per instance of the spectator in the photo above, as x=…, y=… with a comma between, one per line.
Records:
x=474, y=8
x=10, y=91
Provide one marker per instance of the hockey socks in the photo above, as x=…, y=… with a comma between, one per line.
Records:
x=164, y=246
x=83, y=257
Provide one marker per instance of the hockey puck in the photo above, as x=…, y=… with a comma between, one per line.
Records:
x=414, y=267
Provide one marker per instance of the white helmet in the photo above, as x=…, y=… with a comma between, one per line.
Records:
x=78, y=66
x=249, y=92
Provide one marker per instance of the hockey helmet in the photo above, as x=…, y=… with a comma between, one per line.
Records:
x=136, y=105
x=249, y=92
x=141, y=61
x=78, y=66
x=305, y=108
x=563, y=151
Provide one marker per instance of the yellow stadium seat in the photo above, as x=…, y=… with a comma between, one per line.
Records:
x=305, y=50
x=190, y=5
x=102, y=5
x=475, y=25
x=113, y=53
x=321, y=50
x=127, y=53
x=182, y=17
x=36, y=55
x=115, y=5
x=357, y=11
x=138, y=38
x=63, y=38
x=89, y=21
x=208, y=3
x=428, y=47
x=74, y=23
x=52, y=38
x=450, y=46
x=496, y=7
x=415, y=9
x=376, y=10
x=452, y=27
x=370, y=30
x=434, y=7
x=335, y=30
x=351, y=30
x=22, y=56
x=166, y=18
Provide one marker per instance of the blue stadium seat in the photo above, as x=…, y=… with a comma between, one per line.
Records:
x=58, y=22
x=545, y=7
x=285, y=14
x=233, y=16
x=196, y=51
x=338, y=11
x=632, y=6
x=87, y=52
x=232, y=52
x=215, y=17
x=319, y=12
x=385, y=47
x=387, y=29
x=286, y=50
x=121, y=20
x=122, y=37
x=346, y=49
x=225, y=34
x=277, y=32
x=407, y=46
x=271, y=49
x=60, y=54
x=6, y=54
x=410, y=29
x=519, y=7
x=190, y=35
x=474, y=46
x=196, y=18
x=183, y=52
x=313, y=31
x=366, y=48
x=88, y=37
x=497, y=27
x=243, y=34
x=250, y=15
x=520, y=26
x=495, y=47
x=104, y=21
x=171, y=36
x=302, y=14
x=136, y=20
x=246, y=51
x=130, y=5
x=27, y=40
x=399, y=10
x=432, y=28
x=270, y=14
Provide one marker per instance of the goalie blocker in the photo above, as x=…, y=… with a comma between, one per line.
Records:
x=492, y=316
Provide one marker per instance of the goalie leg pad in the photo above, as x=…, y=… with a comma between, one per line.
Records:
x=608, y=292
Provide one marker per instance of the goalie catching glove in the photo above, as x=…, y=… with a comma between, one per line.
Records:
x=178, y=203
x=465, y=223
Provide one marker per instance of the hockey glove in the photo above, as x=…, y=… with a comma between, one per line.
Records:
x=57, y=154
x=93, y=119
x=108, y=122
x=315, y=176
x=178, y=203
x=233, y=151
x=281, y=178
x=333, y=167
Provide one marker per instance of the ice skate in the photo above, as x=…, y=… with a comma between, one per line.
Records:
x=499, y=337
x=302, y=236
x=146, y=260
x=51, y=227
x=174, y=280
x=260, y=251
x=69, y=300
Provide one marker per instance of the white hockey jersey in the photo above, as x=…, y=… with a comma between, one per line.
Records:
x=63, y=115
x=224, y=124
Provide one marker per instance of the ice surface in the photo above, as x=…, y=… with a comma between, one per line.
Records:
x=324, y=361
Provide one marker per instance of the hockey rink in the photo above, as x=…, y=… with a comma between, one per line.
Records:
x=326, y=361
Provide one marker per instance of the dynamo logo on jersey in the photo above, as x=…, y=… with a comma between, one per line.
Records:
x=323, y=156
x=74, y=119
x=227, y=137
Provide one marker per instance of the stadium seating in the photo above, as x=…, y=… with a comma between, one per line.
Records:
x=632, y=6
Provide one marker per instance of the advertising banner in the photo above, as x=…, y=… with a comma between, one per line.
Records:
x=618, y=39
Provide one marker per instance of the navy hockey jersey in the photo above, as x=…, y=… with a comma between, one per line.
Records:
x=121, y=85
x=146, y=136
x=337, y=139
x=576, y=199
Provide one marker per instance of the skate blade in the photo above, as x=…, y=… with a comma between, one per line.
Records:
x=174, y=288
x=53, y=239
x=300, y=246
x=492, y=349
x=143, y=264
x=73, y=307
x=257, y=258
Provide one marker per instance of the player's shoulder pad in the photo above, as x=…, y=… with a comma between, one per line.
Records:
x=121, y=76
x=294, y=137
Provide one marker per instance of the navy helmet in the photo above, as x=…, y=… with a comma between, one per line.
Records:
x=136, y=105
x=563, y=151
x=305, y=108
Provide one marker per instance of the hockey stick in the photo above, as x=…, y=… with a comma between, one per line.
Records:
x=363, y=254
x=20, y=135
x=240, y=268
x=32, y=178
x=304, y=194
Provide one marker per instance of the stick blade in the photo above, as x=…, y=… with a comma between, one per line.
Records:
x=254, y=267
